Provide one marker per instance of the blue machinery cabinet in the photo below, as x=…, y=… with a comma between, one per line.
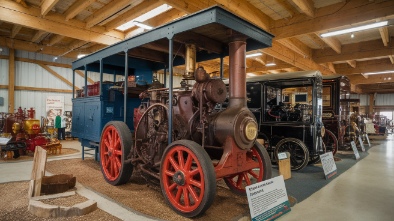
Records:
x=90, y=114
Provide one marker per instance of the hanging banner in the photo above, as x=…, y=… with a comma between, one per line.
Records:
x=54, y=107
x=268, y=199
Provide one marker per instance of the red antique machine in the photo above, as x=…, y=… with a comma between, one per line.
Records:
x=25, y=131
x=179, y=139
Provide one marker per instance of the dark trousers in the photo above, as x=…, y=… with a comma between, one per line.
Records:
x=61, y=133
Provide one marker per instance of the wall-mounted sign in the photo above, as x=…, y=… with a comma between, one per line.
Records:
x=268, y=199
x=54, y=107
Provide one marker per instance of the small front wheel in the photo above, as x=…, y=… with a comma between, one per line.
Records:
x=115, y=146
x=238, y=182
x=187, y=178
x=299, y=153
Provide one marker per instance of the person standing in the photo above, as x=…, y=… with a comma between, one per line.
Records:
x=61, y=127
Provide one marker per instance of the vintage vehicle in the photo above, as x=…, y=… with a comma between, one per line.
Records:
x=288, y=108
x=337, y=115
x=174, y=136
x=25, y=133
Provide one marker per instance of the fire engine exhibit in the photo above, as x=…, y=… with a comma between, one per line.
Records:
x=177, y=136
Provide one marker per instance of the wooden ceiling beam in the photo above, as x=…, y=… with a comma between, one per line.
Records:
x=55, y=23
x=54, y=73
x=264, y=68
x=77, y=44
x=22, y=2
x=332, y=16
x=47, y=5
x=43, y=49
x=391, y=58
x=384, y=34
x=297, y=46
x=133, y=13
x=55, y=39
x=182, y=5
x=37, y=36
x=33, y=61
x=352, y=63
x=288, y=7
x=306, y=7
x=76, y=8
x=247, y=11
x=317, y=40
x=359, y=79
x=376, y=65
x=356, y=51
x=108, y=10
x=334, y=43
x=285, y=54
x=15, y=30
x=330, y=66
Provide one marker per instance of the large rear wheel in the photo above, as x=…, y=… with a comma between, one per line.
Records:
x=187, y=178
x=299, y=153
x=263, y=171
x=115, y=146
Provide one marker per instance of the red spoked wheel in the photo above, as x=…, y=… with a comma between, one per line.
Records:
x=263, y=171
x=187, y=178
x=331, y=142
x=115, y=146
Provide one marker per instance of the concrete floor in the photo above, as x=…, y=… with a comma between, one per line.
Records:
x=364, y=192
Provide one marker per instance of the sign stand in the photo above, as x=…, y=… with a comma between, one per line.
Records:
x=268, y=199
x=284, y=165
x=329, y=166
x=360, y=140
x=369, y=143
x=356, y=154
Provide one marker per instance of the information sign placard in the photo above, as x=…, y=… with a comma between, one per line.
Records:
x=356, y=154
x=268, y=199
x=328, y=164
x=360, y=140
x=369, y=143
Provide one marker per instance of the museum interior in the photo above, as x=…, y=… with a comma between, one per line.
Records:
x=196, y=110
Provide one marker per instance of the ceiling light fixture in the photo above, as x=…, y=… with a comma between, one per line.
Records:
x=254, y=55
x=152, y=13
x=352, y=35
x=81, y=56
x=379, y=72
x=271, y=63
x=355, y=29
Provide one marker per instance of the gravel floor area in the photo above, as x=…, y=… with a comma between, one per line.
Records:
x=14, y=202
x=147, y=199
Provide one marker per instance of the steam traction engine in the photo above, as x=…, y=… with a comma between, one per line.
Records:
x=180, y=139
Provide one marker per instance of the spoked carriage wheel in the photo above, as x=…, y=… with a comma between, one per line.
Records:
x=330, y=143
x=115, y=146
x=187, y=178
x=263, y=171
x=299, y=153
